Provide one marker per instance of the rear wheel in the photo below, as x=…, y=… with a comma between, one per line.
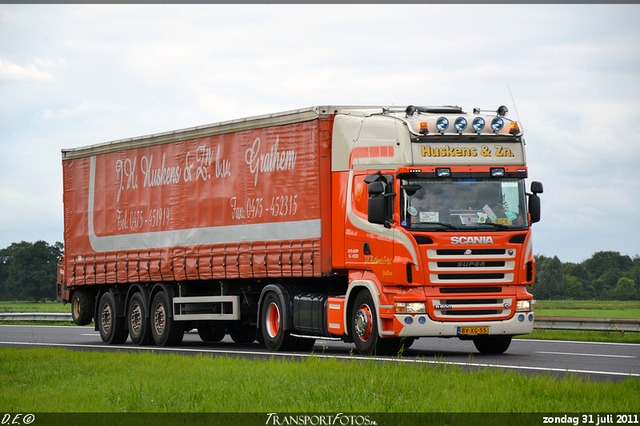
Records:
x=138, y=321
x=82, y=306
x=165, y=331
x=363, y=326
x=272, y=325
x=112, y=328
x=492, y=344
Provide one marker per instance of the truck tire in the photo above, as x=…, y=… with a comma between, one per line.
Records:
x=210, y=333
x=138, y=321
x=305, y=344
x=82, y=307
x=492, y=344
x=243, y=334
x=363, y=324
x=272, y=325
x=165, y=331
x=112, y=328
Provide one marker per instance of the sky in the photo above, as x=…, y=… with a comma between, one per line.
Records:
x=77, y=75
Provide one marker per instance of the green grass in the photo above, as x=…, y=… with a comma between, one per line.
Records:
x=59, y=380
x=587, y=308
x=49, y=306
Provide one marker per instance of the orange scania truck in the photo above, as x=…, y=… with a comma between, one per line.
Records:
x=374, y=225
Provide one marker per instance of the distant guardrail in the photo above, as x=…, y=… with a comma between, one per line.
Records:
x=587, y=324
x=35, y=316
x=551, y=323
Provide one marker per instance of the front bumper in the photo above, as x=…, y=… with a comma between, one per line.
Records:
x=420, y=325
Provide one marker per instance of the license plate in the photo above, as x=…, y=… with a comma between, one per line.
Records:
x=473, y=330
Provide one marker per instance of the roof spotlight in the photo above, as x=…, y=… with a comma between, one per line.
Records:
x=478, y=124
x=460, y=124
x=442, y=124
x=497, y=124
x=502, y=111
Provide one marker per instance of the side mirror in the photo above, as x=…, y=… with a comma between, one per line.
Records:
x=534, y=201
x=536, y=187
x=411, y=189
x=375, y=189
x=376, y=210
x=378, y=203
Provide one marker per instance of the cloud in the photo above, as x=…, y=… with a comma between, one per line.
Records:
x=118, y=71
x=14, y=72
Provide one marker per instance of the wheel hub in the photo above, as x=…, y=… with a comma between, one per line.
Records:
x=362, y=322
x=105, y=318
x=136, y=315
x=158, y=319
x=273, y=320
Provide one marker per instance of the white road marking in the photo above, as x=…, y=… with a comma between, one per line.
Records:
x=572, y=353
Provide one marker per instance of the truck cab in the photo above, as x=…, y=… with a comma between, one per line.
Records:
x=438, y=223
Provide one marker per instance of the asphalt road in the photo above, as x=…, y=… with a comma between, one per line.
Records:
x=590, y=360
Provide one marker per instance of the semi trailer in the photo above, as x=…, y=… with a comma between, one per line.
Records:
x=372, y=225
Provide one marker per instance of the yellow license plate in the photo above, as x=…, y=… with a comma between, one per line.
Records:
x=473, y=330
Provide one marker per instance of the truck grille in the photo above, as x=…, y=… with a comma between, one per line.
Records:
x=471, y=266
x=477, y=272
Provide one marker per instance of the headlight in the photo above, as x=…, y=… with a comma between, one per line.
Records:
x=411, y=308
x=523, y=306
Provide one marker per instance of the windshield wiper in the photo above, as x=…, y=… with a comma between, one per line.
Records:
x=446, y=225
x=497, y=225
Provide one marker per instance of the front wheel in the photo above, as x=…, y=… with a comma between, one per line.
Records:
x=363, y=324
x=112, y=328
x=492, y=344
x=165, y=331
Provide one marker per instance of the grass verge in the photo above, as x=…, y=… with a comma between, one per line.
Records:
x=59, y=380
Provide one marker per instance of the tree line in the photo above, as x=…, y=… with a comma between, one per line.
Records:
x=28, y=271
x=607, y=275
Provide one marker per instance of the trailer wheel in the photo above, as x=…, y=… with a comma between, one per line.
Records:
x=165, y=331
x=272, y=325
x=138, y=321
x=492, y=344
x=363, y=323
x=82, y=305
x=112, y=328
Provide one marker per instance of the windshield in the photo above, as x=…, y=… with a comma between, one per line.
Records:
x=477, y=203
